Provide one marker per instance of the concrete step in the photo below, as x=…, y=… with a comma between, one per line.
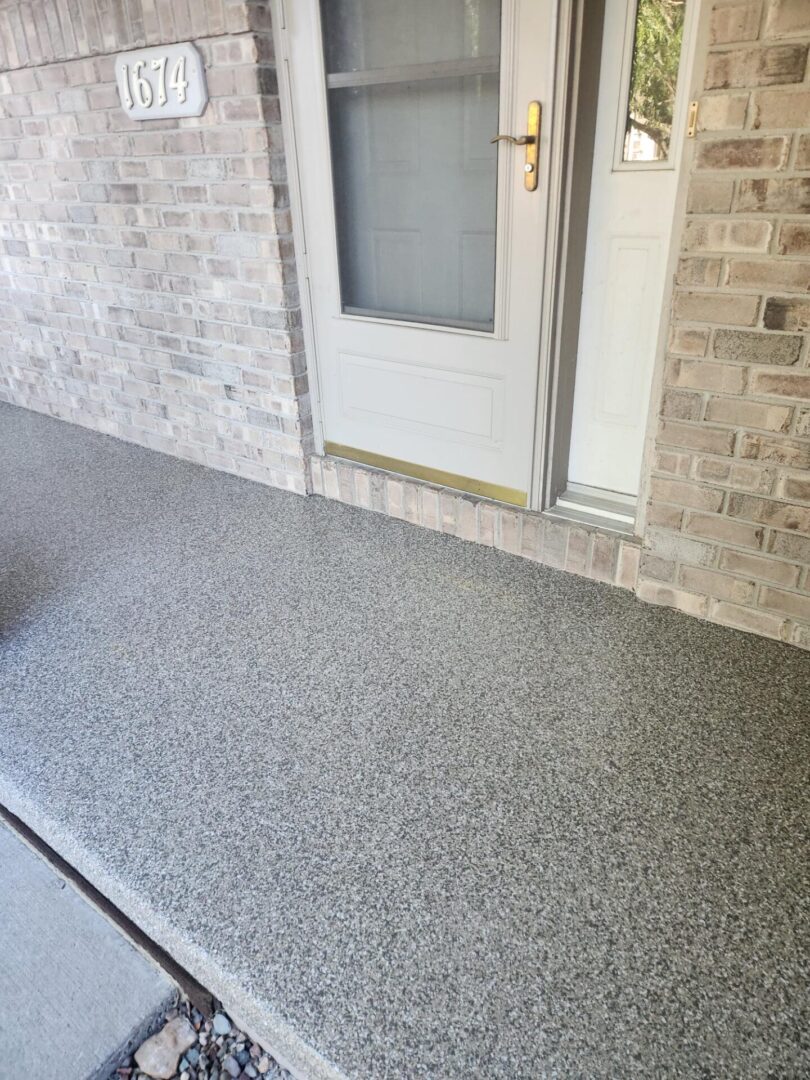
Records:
x=75, y=994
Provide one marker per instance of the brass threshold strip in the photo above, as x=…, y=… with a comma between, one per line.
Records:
x=432, y=476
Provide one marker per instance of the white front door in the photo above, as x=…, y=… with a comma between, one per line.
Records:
x=639, y=129
x=424, y=243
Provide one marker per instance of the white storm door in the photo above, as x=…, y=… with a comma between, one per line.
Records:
x=423, y=245
x=633, y=188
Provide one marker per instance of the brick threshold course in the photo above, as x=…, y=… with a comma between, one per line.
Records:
x=586, y=550
x=578, y=548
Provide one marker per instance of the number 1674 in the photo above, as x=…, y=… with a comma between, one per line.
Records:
x=138, y=90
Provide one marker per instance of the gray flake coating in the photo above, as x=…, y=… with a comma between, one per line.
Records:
x=412, y=807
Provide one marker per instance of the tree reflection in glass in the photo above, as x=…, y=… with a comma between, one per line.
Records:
x=653, y=79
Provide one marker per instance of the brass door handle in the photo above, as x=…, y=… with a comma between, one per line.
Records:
x=519, y=140
x=532, y=143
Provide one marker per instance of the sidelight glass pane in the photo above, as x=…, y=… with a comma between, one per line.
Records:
x=413, y=103
x=653, y=79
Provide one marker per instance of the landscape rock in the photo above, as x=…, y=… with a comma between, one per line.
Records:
x=158, y=1057
x=232, y=1066
x=222, y=1025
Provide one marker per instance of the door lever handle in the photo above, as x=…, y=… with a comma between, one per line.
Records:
x=532, y=143
x=519, y=140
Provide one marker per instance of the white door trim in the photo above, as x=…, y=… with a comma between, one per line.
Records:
x=566, y=55
x=284, y=76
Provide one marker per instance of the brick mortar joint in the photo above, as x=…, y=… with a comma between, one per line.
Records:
x=142, y=44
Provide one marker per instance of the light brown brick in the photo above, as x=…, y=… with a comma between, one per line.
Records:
x=720, y=586
x=698, y=271
x=781, y=384
x=681, y=405
x=508, y=534
x=770, y=512
x=655, y=593
x=730, y=22
x=788, y=196
x=713, y=470
x=487, y=521
x=687, y=341
x=653, y=566
x=758, y=566
x=786, y=313
x=685, y=494
x=781, y=109
x=781, y=451
x=734, y=474
x=722, y=112
x=362, y=489
x=755, y=67
x=715, y=527
x=787, y=603
x=669, y=462
x=577, y=552
x=716, y=307
x=627, y=569
x=769, y=274
x=447, y=518
x=555, y=543
x=667, y=517
x=787, y=17
x=743, y=618
x=766, y=152
x=749, y=414
x=531, y=537
x=709, y=196
x=467, y=519
x=794, y=238
x=739, y=236
x=752, y=347
x=757, y=479
x=604, y=554
x=803, y=153
x=790, y=546
x=679, y=548
x=697, y=437
x=795, y=488
x=704, y=375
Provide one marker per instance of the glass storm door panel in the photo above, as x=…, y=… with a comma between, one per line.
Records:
x=412, y=94
x=422, y=246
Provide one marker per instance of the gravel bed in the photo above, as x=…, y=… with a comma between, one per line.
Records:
x=221, y=1052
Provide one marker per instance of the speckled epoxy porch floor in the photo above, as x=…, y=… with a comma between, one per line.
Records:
x=412, y=807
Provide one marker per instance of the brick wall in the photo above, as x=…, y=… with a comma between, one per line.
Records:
x=728, y=532
x=147, y=282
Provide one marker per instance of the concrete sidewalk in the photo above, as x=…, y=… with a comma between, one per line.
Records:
x=410, y=807
x=75, y=995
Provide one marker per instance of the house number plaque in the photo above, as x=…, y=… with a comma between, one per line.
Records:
x=161, y=83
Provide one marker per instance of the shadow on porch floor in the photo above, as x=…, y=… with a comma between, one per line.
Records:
x=411, y=807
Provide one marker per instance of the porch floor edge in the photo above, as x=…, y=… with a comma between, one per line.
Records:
x=248, y=1013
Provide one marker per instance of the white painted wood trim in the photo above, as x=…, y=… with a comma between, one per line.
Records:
x=566, y=53
x=285, y=77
